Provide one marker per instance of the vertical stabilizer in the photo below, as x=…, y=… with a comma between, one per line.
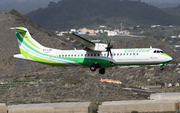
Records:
x=25, y=41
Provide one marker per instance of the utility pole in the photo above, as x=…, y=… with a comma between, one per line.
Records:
x=121, y=27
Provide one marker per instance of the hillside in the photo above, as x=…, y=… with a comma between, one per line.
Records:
x=31, y=82
x=24, y=6
x=175, y=10
x=163, y=3
x=77, y=84
x=65, y=15
x=9, y=45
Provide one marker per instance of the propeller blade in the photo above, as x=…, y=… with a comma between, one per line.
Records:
x=110, y=53
x=109, y=47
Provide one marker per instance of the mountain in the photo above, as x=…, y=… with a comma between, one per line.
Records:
x=163, y=3
x=65, y=15
x=9, y=45
x=24, y=6
x=47, y=84
x=175, y=10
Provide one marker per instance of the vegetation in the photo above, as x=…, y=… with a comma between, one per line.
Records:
x=134, y=112
x=65, y=15
x=14, y=84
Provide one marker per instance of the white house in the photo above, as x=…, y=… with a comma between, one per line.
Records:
x=73, y=30
x=112, y=33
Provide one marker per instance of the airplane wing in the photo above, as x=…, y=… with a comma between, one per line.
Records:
x=78, y=39
x=86, y=44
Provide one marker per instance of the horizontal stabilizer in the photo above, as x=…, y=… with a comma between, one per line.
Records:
x=22, y=57
x=18, y=29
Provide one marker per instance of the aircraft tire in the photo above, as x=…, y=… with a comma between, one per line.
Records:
x=161, y=68
x=102, y=71
x=93, y=68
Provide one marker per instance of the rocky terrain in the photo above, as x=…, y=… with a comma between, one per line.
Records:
x=9, y=45
x=37, y=83
x=80, y=84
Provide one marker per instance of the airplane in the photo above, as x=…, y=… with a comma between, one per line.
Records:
x=93, y=56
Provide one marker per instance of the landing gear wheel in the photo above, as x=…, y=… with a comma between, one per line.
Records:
x=102, y=71
x=161, y=68
x=93, y=68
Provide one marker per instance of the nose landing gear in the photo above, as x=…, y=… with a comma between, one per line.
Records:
x=161, y=66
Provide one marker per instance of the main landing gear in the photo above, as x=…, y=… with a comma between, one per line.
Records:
x=95, y=66
x=102, y=71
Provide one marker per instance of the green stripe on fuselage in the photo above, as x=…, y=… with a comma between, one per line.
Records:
x=83, y=61
x=165, y=54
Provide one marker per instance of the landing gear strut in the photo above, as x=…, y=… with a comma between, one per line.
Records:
x=161, y=66
x=94, y=66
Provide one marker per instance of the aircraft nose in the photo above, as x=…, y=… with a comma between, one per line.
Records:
x=169, y=58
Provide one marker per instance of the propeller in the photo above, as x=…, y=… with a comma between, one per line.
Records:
x=109, y=47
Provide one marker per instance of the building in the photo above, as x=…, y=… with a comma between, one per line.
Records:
x=73, y=30
x=112, y=33
x=126, y=32
x=81, y=33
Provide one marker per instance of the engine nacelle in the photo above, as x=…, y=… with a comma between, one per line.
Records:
x=99, y=47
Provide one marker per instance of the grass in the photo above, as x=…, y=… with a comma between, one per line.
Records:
x=14, y=84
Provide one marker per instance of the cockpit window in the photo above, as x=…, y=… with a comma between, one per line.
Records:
x=161, y=51
x=158, y=51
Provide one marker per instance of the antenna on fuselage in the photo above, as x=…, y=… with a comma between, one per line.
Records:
x=151, y=47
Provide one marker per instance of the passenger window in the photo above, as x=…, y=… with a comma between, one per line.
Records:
x=59, y=55
x=68, y=55
x=81, y=54
x=127, y=53
x=88, y=54
x=114, y=54
x=72, y=55
x=91, y=54
x=62, y=55
x=137, y=53
x=75, y=55
x=130, y=53
x=121, y=54
x=118, y=54
x=104, y=54
x=124, y=54
x=133, y=53
x=98, y=54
